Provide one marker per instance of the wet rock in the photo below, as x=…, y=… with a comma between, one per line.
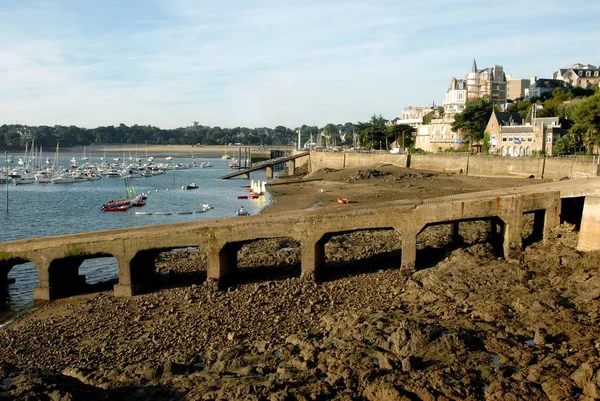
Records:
x=583, y=375
x=540, y=336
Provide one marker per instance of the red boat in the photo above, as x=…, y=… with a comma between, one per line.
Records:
x=254, y=196
x=343, y=200
x=242, y=197
x=106, y=208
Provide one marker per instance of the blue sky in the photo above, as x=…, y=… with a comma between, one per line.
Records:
x=264, y=63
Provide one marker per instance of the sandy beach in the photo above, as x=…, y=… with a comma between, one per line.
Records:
x=467, y=325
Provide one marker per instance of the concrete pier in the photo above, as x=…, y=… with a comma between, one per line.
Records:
x=57, y=259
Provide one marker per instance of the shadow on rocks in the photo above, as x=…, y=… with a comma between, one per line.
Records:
x=383, y=261
x=260, y=274
x=39, y=386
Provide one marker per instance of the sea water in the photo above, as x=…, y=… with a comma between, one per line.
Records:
x=41, y=210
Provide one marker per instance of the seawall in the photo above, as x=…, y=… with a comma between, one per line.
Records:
x=476, y=165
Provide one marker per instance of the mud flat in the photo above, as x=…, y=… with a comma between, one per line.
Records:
x=466, y=326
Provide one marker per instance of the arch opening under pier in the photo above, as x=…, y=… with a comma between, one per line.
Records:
x=356, y=252
x=180, y=267
x=436, y=241
x=533, y=227
x=152, y=269
x=263, y=259
x=66, y=276
x=572, y=211
x=13, y=271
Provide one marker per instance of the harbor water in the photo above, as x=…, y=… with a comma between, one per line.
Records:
x=40, y=210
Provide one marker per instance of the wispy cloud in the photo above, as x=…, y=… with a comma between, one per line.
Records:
x=169, y=62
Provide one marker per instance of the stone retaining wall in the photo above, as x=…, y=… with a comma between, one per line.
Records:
x=553, y=168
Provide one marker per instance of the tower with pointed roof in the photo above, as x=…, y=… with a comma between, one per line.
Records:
x=473, y=79
x=490, y=82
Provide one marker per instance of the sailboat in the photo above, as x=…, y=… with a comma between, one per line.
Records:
x=225, y=155
x=84, y=157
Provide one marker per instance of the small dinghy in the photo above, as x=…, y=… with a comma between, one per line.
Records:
x=143, y=213
x=343, y=200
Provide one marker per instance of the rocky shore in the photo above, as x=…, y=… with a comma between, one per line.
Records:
x=472, y=327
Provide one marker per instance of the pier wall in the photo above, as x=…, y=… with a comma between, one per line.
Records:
x=461, y=163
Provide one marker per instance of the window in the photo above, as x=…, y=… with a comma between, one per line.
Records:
x=595, y=73
x=504, y=139
x=510, y=139
x=580, y=73
x=529, y=139
x=588, y=73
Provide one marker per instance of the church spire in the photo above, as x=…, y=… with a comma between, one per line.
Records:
x=474, y=66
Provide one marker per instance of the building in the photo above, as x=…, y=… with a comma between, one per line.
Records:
x=583, y=75
x=510, y=135
x=515, y=87
x=488, y=82
x=438, y=135
x=456, y=97
x=541, y=86
x=415, y=115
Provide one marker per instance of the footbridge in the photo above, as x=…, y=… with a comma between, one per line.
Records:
x=268, y=164
x=57, y=259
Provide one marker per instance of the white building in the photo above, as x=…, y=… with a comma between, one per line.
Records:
x=456, y=97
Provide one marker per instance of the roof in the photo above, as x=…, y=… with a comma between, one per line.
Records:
x=508, y=117
x=548, y=83
x=474, y=66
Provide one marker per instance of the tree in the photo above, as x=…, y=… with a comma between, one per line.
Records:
x=586, y=117
x=565, y=145
x=473, y=119
x=402, y=134
x=373, y=133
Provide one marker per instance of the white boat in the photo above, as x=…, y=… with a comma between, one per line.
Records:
x=169, y=158
x=63, y=179
x=111, y=174
x=206, y=206
x=24, y=179
x=43, y=177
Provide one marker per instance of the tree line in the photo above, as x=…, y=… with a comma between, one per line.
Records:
x=15, y=136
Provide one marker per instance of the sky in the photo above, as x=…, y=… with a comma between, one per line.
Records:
x=266, y=63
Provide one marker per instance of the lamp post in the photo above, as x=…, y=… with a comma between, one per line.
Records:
x=6, y=164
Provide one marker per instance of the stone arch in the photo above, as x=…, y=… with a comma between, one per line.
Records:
x=528, y=151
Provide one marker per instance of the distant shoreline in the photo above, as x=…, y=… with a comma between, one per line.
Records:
x=160, y=150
